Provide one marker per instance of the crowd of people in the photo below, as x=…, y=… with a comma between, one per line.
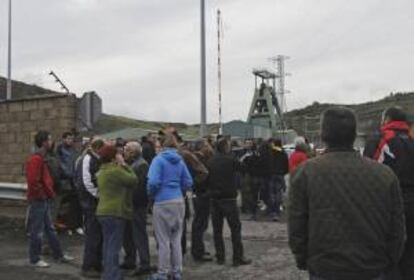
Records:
x=349, y=216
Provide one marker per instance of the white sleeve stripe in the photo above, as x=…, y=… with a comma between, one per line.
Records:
x=87, y=177
x=385, y=151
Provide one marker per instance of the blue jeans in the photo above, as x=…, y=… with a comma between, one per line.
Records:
x=39, y=222
x=113, y=232
x=275, y=187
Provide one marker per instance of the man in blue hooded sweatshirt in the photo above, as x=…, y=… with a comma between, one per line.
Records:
x=168, y=179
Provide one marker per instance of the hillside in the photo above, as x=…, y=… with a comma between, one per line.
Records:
x=306, y=121
x=109, y=123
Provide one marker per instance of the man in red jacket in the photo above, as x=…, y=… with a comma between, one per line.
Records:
x=40, y=192
x=299, y=155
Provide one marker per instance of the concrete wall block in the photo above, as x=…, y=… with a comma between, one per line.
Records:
x=7, y=178
x=15, y=107
x=66, y=101
x=51, y=114
x=3, y=127
x=36, y=115
x=21, y=116
x=46, y=125
x=14, y=127
x=67, y=112
x=12, y=159
x=30, y=105
x=66, y=124
x=46, y=104
x=4, y=169
x=14, y=148
x=3, y=108
x=4, y=117
x=28, y=126
x=16, y=169
x=7, y=138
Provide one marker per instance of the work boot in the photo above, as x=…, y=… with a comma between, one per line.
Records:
x=144, y=271
x=242, y=261
x=91, y=273
x=127, y=266
x=221, y=261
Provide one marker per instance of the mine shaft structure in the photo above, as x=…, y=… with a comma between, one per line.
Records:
x=266, y=109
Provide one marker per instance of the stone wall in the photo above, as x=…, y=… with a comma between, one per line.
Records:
x=19, y=122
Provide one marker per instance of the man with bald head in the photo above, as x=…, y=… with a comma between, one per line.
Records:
x=136, y=236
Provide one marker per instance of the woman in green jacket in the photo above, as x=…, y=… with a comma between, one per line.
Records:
x=116, y=182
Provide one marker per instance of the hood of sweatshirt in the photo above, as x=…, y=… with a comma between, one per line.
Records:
x=171, y=155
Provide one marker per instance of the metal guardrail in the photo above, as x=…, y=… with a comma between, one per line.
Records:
x=13, y=191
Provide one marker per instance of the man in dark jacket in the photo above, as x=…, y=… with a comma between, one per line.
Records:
x=396, y=150
x=135, y=234
x=67, y=197
x=40, y=191
x=201, y=202
x=85, y=179
x=345, y=212
x=148, y=147
x=198, y=173
x=280, y=167
x=259, y=166
x=222, y=171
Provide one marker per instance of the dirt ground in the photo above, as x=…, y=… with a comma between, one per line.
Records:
x=265, y=243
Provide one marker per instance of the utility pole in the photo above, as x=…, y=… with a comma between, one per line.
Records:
x=219, y=70
x=203, y=120
x=9, y=54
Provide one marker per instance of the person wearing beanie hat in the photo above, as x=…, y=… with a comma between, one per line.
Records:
x=116, y=182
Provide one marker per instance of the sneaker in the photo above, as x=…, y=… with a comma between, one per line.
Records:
x=157, y=277
x=241, y=262
x=91, y=274
x=177, y=276
x=66, y=258
x=40, y=264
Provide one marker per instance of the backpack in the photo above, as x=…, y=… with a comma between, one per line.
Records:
x=404, y=160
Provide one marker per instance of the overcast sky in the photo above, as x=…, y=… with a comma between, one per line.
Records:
x=142, y=57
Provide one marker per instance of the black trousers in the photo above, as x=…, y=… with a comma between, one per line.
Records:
x=200, y=224
x=186, y=218
x=407, y=260
x=226, y=209
x=136, y=239
x=92, y=255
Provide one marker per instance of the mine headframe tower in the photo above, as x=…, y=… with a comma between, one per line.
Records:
x=265, y=110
